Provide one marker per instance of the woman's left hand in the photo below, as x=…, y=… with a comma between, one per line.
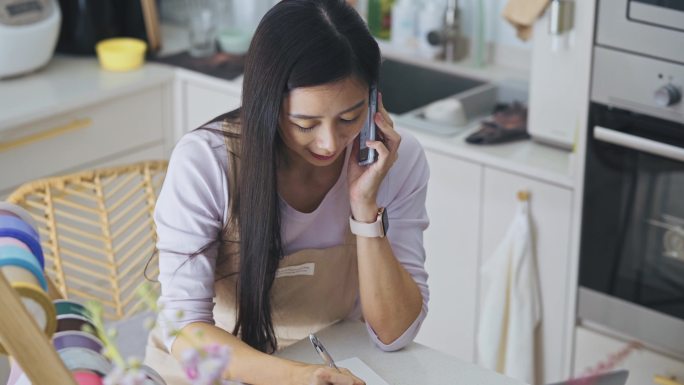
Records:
x=364, y=181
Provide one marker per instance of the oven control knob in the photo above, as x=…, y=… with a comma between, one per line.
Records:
x=667, y=95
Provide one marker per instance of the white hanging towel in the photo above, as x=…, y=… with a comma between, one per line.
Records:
x=511, y=307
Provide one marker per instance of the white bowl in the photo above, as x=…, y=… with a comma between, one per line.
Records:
x=447, y=111
x=234, y=41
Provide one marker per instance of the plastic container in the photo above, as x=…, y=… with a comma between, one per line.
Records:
x=121, y=53
x=430, y=18
x=404, y=25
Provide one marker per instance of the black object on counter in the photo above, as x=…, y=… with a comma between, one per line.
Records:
x=220, y=65
x=507, y=123
x=86, y=22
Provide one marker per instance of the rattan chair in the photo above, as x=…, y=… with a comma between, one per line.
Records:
x=97, y=232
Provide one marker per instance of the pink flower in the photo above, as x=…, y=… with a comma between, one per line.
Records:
x=205, y=366
x=124, y=376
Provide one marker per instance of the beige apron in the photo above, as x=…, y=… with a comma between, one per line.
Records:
x=313, y=289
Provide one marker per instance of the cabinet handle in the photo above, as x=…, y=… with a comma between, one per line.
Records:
x=662, y=380
x=77, y=124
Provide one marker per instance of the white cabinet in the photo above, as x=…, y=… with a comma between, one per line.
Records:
x=471, y=206
x=200, y=98
x=453, y=204
x=592, y=348
x=118, y=130
x=551, y=212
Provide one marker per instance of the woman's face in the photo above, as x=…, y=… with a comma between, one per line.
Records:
x=317, y=123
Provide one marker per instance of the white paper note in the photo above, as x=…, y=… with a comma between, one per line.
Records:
x=361, y=370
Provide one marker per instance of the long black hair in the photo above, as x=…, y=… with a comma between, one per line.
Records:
x=298, y=43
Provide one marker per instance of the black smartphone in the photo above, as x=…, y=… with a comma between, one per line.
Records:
x=368, y=155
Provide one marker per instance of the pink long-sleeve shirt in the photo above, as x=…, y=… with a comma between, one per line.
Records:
x=192, y=209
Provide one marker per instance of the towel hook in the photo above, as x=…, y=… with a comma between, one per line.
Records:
x=523, y=195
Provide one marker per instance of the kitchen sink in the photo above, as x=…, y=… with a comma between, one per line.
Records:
x=409, y=91
x=406, y=87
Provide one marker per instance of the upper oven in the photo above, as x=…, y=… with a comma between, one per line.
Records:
x=632, y=236
x=652, y=28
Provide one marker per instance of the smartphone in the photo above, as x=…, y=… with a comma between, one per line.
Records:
x=368, y=155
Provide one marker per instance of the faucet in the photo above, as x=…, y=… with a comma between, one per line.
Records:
x=450, y=35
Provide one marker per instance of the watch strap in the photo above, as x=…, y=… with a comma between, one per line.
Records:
x=370, y=230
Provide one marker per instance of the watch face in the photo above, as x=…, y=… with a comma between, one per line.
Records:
x=385, y=222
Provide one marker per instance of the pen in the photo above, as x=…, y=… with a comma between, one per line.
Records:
x=322, y=352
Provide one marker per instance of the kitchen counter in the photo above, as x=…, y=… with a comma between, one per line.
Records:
x=416, y=364
x=528, y=158
x=68, y=83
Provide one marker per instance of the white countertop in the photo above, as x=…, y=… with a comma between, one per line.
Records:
x=416, y=364
x=68, y=83
x=526, y=157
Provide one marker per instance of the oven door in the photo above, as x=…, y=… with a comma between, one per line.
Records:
x=645, y=27
x=662, y=13
x=632, y=245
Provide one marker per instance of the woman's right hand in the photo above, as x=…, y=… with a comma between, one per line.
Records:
x=323, y=375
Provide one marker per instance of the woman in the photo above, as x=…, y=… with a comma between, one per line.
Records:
x=257, y=249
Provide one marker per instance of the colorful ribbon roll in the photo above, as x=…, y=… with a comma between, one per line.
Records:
x=73, y=322
x=19, y=212
x=76, y=339
x=26, y=277
x=14, y=227
x=19, y=257
x=87, y=378
x=65, y=306
x=85, y=359
x=38, y=305
x=8, y=241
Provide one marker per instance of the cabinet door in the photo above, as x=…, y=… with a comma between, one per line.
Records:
x=453, y=204
x=551, y=212
x=591, y=348
x=76, y=139
x=202, y=103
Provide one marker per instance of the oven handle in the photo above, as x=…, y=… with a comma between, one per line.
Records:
x=638, y=143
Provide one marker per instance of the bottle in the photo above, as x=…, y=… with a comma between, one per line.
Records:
x=380, y=18
x=404, y=25
x=430, y=18
x=374, y=17
x=478, y=43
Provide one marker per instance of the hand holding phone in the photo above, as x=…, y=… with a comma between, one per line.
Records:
x=368, y=132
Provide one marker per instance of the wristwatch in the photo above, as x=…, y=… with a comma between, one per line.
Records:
x=377, y=229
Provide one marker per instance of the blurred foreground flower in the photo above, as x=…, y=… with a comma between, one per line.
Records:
x=202, y=364
x=205, y=365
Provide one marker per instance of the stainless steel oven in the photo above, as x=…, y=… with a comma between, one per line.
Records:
x=632, y=242
x=644, y=27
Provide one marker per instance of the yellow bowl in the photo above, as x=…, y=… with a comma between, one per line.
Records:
x=121, y=53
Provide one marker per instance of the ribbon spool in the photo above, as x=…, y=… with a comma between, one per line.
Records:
x=78, y=339
x=76, y=358
x=83, y=377
x=7, y=241
x=16, y=228
x=18, y=211
x=65, y=306
x=26, y=277
x=14, y=259
x=39, y=306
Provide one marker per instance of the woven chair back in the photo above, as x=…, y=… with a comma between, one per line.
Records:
x=98, y=233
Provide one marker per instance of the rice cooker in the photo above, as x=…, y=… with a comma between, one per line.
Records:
x=28, y=34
